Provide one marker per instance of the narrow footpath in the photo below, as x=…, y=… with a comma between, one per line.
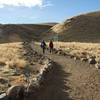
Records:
x=71, y=80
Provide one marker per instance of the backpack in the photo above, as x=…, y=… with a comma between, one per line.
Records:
x=51, y=45
x=43, y=44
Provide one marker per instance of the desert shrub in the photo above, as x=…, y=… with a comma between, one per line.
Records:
x=18, y=79
x=18, y=63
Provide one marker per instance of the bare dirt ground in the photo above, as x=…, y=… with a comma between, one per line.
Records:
x=71, y=80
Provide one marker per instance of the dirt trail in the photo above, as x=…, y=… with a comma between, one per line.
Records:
x=71, y=80
x=83, y=81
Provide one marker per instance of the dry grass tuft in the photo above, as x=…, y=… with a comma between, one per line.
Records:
x=18, y=63
x=80, y=49
x=18, y=80
x=2, y=62
x=12, y=63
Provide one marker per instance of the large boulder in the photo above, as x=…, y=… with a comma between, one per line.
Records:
x=92, y=61
x=97, y=65
x=16, y=92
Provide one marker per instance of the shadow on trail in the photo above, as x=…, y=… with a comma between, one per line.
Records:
x=54, y=82
x=55, y=85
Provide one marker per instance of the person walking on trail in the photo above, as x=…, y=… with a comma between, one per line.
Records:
x=51, y=46
x=43, y=46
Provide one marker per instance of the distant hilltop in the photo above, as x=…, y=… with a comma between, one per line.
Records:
x=82, y=28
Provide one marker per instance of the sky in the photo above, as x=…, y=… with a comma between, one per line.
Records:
x=42, y=11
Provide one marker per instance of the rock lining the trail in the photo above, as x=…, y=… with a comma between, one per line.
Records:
x=35, y=84
x=90, y=60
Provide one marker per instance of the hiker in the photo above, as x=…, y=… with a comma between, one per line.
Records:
x=43, y=46
x=51, y=46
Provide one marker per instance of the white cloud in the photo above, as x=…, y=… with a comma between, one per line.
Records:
x=47, y=4
x=25, y=3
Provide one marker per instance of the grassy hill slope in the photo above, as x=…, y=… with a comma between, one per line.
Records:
x=18, y=32
x=82, y=28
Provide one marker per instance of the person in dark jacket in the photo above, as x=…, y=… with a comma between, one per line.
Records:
x=51, y=46
x=43, y=46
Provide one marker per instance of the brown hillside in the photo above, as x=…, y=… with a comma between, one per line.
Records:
x=82, y=28
x=17, y=32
